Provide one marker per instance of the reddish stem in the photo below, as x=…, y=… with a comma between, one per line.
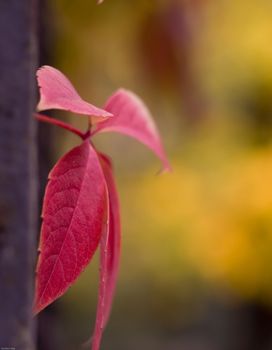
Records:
x=87, y=134
x=44, y=118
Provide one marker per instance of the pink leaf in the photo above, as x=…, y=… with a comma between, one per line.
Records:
x=73, y=211
x=109, y=255
x=131, y=117
x=57, y=92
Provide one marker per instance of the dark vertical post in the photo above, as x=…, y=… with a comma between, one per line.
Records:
x=17, y=172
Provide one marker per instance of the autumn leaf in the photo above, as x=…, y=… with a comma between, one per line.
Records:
x=72, y=214
x=57, y=92
x=109, y=254
x=132, y=118
x=81, y=205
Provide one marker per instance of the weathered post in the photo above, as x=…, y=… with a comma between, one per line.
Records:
x=18, y=203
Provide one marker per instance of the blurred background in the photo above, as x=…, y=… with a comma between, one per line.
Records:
x=197, y=243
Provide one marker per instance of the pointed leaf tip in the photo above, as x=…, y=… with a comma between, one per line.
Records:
x=57, y=92
x=132, y=118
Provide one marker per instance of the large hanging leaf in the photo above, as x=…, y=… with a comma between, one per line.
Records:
x=73, y=210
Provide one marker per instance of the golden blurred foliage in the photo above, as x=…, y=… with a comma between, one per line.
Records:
x=217, y=221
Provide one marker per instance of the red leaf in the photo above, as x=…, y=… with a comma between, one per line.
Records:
x=73, y=210
x=57, y=92
x=109, y=255
x=131, y=117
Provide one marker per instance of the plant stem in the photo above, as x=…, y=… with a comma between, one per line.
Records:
x=44, y=118
x=86, y=135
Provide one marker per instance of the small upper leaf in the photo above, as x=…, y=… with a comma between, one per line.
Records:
x=131, y=117
x=73, y=211
x=57, y=92
x=109, y=255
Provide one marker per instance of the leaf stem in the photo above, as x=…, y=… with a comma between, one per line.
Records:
x=46, y=119
x=86, y=135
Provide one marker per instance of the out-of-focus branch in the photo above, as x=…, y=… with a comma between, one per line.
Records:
x=18, y=187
